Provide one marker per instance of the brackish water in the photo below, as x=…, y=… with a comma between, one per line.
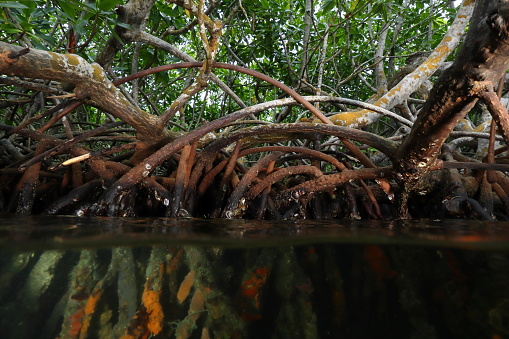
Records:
x=72, y=277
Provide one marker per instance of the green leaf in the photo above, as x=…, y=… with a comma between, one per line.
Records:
x=353, y=5
x=328, y=5
x=9, y=29
x=123, y=25
x=119, y=23
x=50, y=39
x=68, y=8
x=265, y=4
x=81, y=27
x=38, y=43
x=107, y=5
x=12, y=4
x=31, y=6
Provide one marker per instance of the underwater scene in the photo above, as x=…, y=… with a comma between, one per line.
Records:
x=71, y=277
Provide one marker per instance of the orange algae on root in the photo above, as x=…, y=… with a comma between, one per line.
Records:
x=148, y=320
x=75, y=323
x=196, y=307
x=137, y=329
x=185, y=287
x=154, y=309
x=378, y=262
x=250, y=292
x=90, y=309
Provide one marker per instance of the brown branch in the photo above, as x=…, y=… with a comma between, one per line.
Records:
x=332, y=181
x=27, y=122
x=473, y=165
x=386, y=146
x=354, y=149
x=15, y=55
x=207, y=179
x=65, y=110
x=239, y=69
x=186, y=162
x=25, y=189
x=193, y=23
x=70, y=143
x=280, y=174
x=236, y=205
x=498, y=112
x=31, y=85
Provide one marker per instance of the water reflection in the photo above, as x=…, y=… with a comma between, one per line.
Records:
x=72, y=277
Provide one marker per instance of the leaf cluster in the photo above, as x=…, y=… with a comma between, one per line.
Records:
x=331, y=51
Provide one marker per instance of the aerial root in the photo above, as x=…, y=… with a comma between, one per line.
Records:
x=245, y=173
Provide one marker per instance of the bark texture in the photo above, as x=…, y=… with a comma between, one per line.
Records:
x=88, y=82
x=482, y=61
x=411, y=82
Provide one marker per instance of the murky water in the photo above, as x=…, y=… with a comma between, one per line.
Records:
x=71, y=277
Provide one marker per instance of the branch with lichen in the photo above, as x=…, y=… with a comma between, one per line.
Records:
x=411, y=83
x=88, y=81
x=210, y=46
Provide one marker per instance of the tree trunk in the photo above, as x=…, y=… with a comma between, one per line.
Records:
x=88, y=81
x=481, y=62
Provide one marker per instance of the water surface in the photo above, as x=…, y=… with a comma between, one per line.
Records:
x=59, y=232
